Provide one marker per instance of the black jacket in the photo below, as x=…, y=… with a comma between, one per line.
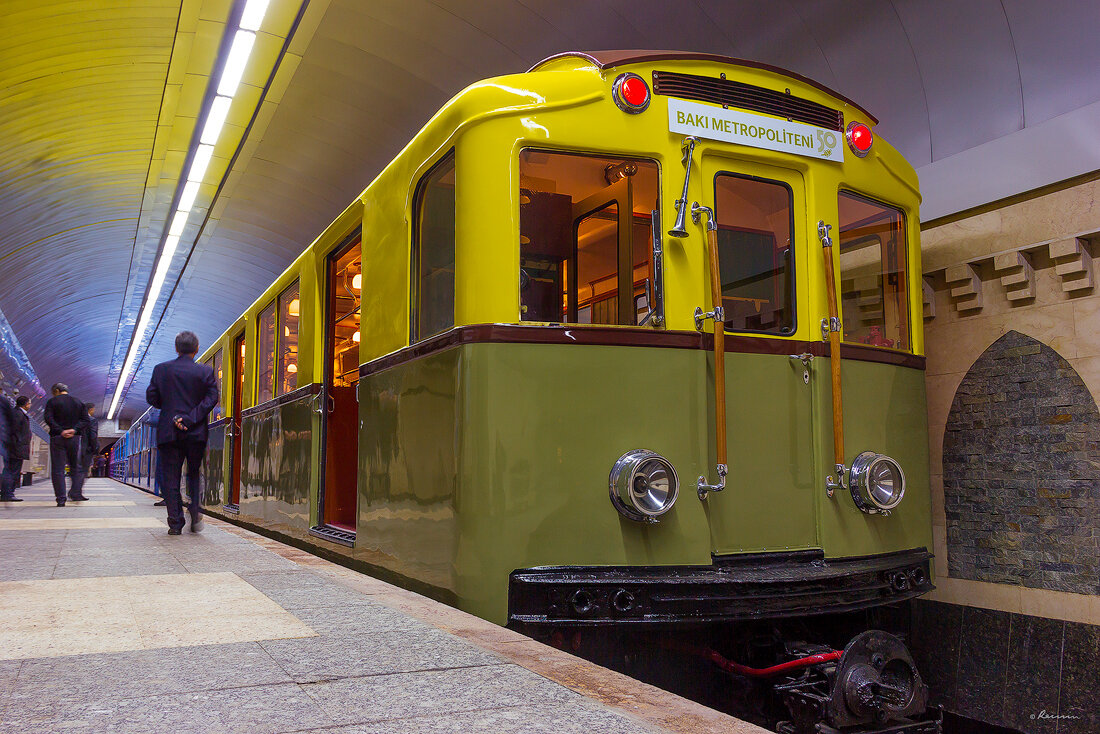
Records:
x=6, y=410
x=63, y=412
x=91, y=437
x=186, y=389
x=19, y=444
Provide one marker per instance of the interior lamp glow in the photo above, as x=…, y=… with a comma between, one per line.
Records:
x=357, y=282
x=292, y=368
x=292, y=308
x=355, y=337
x=235, y=63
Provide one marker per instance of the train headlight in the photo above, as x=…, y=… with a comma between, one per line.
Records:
x=643, y=485
x=877, y=483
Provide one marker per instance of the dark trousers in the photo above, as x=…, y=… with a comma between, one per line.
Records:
x=170, y=458
x=13, y=477
x=66, y=451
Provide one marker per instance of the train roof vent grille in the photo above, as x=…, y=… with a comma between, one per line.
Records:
x=746, y=97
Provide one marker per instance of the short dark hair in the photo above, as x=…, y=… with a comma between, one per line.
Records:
x=59, y=387
x=89, y=406
x=21, y=401
x=187, y=342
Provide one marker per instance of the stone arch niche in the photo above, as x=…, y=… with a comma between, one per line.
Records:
x=1021, y=471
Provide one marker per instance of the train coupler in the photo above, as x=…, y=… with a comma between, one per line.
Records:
x=873, y=688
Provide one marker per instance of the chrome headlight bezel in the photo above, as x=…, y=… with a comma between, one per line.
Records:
x=632, y=466
x=860, y=481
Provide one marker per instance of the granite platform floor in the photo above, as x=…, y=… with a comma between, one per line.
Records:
x=108, y=624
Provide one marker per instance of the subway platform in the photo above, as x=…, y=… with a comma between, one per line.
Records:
x=108, y=624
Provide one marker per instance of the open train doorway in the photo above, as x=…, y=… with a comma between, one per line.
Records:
x=235, y=422
x=340, y=425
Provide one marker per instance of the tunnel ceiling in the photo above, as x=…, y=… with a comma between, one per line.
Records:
x=98, y=102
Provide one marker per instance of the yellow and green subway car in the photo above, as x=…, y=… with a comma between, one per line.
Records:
x=633, y=337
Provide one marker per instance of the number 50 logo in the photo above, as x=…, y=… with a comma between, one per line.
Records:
x=826, y=141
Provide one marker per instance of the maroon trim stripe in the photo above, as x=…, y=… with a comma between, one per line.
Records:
x=311, y=389
x=627, y=337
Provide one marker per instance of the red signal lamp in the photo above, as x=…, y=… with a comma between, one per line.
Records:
x=631, y=93
x=859, y=137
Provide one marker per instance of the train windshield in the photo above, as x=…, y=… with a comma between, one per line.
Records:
x=585, y=238
x=755, y=228
x=874, y=296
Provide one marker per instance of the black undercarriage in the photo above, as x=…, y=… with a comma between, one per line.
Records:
x=789, y=641
x=732, y=588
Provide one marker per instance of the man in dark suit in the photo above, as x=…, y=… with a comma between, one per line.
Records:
x=66, y=417
x=89, y=440
x=185, y=392
x=19, y=449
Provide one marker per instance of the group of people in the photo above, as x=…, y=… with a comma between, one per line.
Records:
x=74, y=441
x=184, y=391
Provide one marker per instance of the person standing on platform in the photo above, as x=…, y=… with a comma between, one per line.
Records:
x=185, y=393
x=90, y=439
x=19, y=449
x=66, y=417
x=6, y=416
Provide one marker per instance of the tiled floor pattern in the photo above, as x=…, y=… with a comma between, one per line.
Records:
x=111, y=625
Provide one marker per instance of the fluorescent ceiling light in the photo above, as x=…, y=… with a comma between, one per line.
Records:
x=155, y=286
x=170, y=243
x=235, y=63
x=253, y=14
x=215, y=119
x=187, y=198
x=178, y=223
x=200, y=162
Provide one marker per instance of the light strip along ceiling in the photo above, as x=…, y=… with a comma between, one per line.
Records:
x=235, y=61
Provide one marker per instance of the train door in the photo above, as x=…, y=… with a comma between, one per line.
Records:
x=238, y=393
x=769, y=502
x=341, y=415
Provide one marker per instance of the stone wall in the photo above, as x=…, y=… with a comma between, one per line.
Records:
x=1021, y=471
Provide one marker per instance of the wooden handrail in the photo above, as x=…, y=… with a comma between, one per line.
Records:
x=719, y=348
x=834, y=346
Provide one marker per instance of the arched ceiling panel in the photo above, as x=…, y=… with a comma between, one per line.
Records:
x=1059, y=56
x=872, y=62
x=972, y=97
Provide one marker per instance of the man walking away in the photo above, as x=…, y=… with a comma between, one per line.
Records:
x=66, y=418
x=185, y=392
x=90, y=439
x=19, y=449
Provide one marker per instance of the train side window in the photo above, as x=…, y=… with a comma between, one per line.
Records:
x=286, y=366
x=873, y=273
x=585, y=239
x=755, y=230
x=265, y=355
x=433, y=255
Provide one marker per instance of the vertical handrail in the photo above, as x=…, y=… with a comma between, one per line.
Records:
x=719, y=345
x=833, y=327
x=718, y=315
